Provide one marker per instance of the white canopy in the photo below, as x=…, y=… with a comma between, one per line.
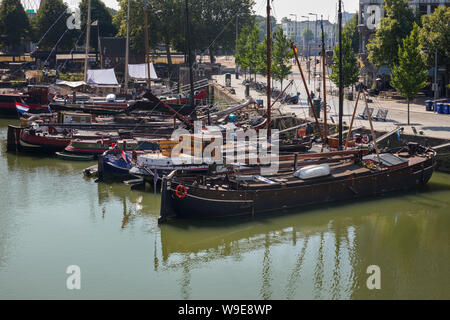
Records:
x=72, y=84
x=139, y=71
x=102, y=78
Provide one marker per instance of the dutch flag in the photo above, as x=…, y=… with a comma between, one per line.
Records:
x=125, y=157
x=22, y=108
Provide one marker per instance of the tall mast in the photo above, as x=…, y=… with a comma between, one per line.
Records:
x=188, y=38
x=147, y=54
x=268, y=71
x=341, y=89
x=126, y=48
x=324, y=80
x=88, y=35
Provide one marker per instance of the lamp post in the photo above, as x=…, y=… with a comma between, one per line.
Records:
x=295, y=30
x=315, y=42
x=307, y=59
x=315, y=26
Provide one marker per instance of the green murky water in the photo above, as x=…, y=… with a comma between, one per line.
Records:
x=52, y=217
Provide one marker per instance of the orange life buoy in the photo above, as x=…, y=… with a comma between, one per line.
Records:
x=301, y=132
x=180, y=191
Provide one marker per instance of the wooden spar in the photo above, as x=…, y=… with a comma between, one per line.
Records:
x=341, y=76
x=269, y=62
x=282, y=92
x=188, y=38
x=127, y=48
x=323, y=154
x=353, y=118
x=306, y=87
x=387, y=135
x=371, y=128
x=293, y=128
x=178, y=115
x=147, y=53
x=88, y=34
x=324, y=80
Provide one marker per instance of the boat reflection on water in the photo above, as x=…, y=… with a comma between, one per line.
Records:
x=321, y=253
x=325, y=252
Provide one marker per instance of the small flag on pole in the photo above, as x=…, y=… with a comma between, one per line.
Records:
x=22, y=108
x=125, y=157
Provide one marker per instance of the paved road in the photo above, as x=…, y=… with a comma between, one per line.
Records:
x=432, y=124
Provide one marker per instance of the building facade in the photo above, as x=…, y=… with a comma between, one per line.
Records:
x=294, y=31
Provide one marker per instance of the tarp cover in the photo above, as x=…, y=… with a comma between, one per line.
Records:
x=139, y=71
x=102, y=78
x=72, y=84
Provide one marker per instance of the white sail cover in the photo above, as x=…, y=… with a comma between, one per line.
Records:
x=102, y=78
x=139, y=71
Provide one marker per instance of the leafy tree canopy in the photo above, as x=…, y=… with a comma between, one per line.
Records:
x=100, y=13
x=351, y=30
x=50, y=12
x=409, y=74
x=395, y=26
x=350, y=69
x=14, y=23
x=435, y=35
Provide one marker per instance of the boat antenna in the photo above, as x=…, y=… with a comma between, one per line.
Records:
x=268, y=71
x=341, y=89
x=188, y=40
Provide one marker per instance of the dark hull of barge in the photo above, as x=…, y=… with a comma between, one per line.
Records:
x=210, y=203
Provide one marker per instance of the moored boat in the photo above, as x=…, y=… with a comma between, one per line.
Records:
x=235, y=195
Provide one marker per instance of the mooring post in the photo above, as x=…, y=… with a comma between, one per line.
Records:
x=295, y=161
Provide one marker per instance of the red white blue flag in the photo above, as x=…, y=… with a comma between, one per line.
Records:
x=22, y=108
x=125, y=157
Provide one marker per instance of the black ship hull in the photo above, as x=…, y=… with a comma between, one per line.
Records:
x=211, y=203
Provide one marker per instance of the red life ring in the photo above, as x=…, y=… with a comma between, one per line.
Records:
x=180, y=191
x=301, y=133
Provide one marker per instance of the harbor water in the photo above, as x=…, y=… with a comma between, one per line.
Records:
x=51, y=217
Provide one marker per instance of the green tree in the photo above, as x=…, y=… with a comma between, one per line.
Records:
x=409, y=75
x=281, y=56
x=136, y=24
x=351, y=30
x=50, y=12
x=100, y=13
x=307, y=35
x=213, y=23
x=14, y=24
x=248, y=41
x=350, y=69
x=395, y=26
x=435, y=36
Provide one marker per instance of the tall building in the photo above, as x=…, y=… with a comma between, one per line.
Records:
x=294, y=31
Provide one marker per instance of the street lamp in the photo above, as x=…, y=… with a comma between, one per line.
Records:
x=295, y=30
x=308, y=66
x=315, y=26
